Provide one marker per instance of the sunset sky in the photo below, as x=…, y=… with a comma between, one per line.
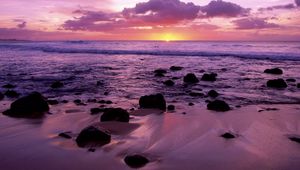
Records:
x=150, y=20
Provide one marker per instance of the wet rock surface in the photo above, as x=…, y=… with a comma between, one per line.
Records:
x=92, y=136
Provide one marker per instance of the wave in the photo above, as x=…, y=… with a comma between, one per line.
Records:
x=252, y=55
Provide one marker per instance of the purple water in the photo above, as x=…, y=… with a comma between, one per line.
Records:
x=125, y=69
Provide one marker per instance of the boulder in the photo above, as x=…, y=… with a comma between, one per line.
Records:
x=57, y=84
x=92, y=136
x=9, y=86
x=209, y=77
x=31, y=106
x=176, y=68
x=155, y=101
x=190, y=78
x=277, y=71
x=218, y=105
x=277, y=83
x=136, y=161
x=11, y=94
x=115, y=114
x=169, y=83
x=213, y=94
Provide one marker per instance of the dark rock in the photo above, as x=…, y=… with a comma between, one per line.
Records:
x=195, y=94
x=9, y=86
x=11, y=94
x=298, y=85
x=277, y=71
x=159, y=75
x=31, y=106
x=295, y=139
x=92, y=136
x=52, y=102
x=175, y=78
x=57, y=84
x=108, y=102
x=102, y=101
x=77, y=101
x=1, y=96
x=228, y=136
x=156, y=101
x=65, y=135
x=209, y=77
x=92, y=100
x=100, y=83
x=115, y=114
x=160, y=71
x=218, y=105
x=176, y=68
x=213, y=94
x=136, y=161
x=169, y=83
x=277, y=83
x=190, y=78
x=96, y=111
x=106, y=93
x=191, y=104
x=64, y=101
x=291, y=80
x=171, y=107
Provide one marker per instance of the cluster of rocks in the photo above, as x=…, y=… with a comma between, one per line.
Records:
x=279, y=83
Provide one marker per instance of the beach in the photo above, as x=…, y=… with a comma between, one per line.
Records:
x=75, y=77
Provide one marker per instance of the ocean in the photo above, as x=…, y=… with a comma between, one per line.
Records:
x=124, y=69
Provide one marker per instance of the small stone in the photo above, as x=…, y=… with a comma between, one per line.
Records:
x=108, y=102
x=228, y=136
x=190, y=78
x=213, y=94
x=277, y=71
x=171, y=108
x=9, y=86
x=136, y=161
x=298, y=85
x=57, y=84
x=277, y=83
x=291, y=80
x=191, y=104
x=169, y=83
x=11, y=94
x=218, y=105
x=159, y=75
x=77, y=101
x=160, y=71
x=176, y=68
x=209, y=77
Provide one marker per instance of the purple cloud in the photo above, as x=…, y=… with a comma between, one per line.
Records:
x=221, y=8
x=162, y=11
x=254, y=23
x=278, y=7
x=22, y=25
x=297, y=2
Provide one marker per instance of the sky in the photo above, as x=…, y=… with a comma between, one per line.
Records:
x=167, y=20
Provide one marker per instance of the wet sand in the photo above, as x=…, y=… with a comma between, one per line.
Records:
x=170, y=140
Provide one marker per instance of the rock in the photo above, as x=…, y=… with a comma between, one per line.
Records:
x=169, y=83
x=96, y=111
x=9, y=86
x=11, y=94
x=91, y=149
x=213, y=94
x=92, y=101
x=218, y=105
x=176, y=68
x=291, y=80
x=160, y=71
x=100, y=83
x=295, y=139
x=159, y=75
x=195, y=94
x=190, y=78
x=228, y=136
x=92, y=136
x=108, y=102
x=171, y=107
x=191, y=104
x=136, y=161
x=277, y=71
x=156, y=101
x=32, y=106
x=209, y=77
x=65, y=135
x=65, y=101
x=298, y=85
x=1, y=96
x=52, y=102
x=57, y=84
x=277, y=83
x=115, y=114
x=106, y=93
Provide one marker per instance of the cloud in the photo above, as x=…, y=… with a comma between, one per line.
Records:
x=278, y=7
x=221, y=8
x=297, y=2
x=22, y=25
x=162, y=11
x=253, y=23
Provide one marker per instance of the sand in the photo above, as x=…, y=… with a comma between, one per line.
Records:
x=171, y=140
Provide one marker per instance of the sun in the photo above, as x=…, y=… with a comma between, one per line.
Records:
x=170, y=37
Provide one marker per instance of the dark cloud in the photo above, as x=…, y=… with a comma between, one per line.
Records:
x=254, y=23
x=22, y=25
x=162, y=11
x=221, y=8
x=278, y=7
